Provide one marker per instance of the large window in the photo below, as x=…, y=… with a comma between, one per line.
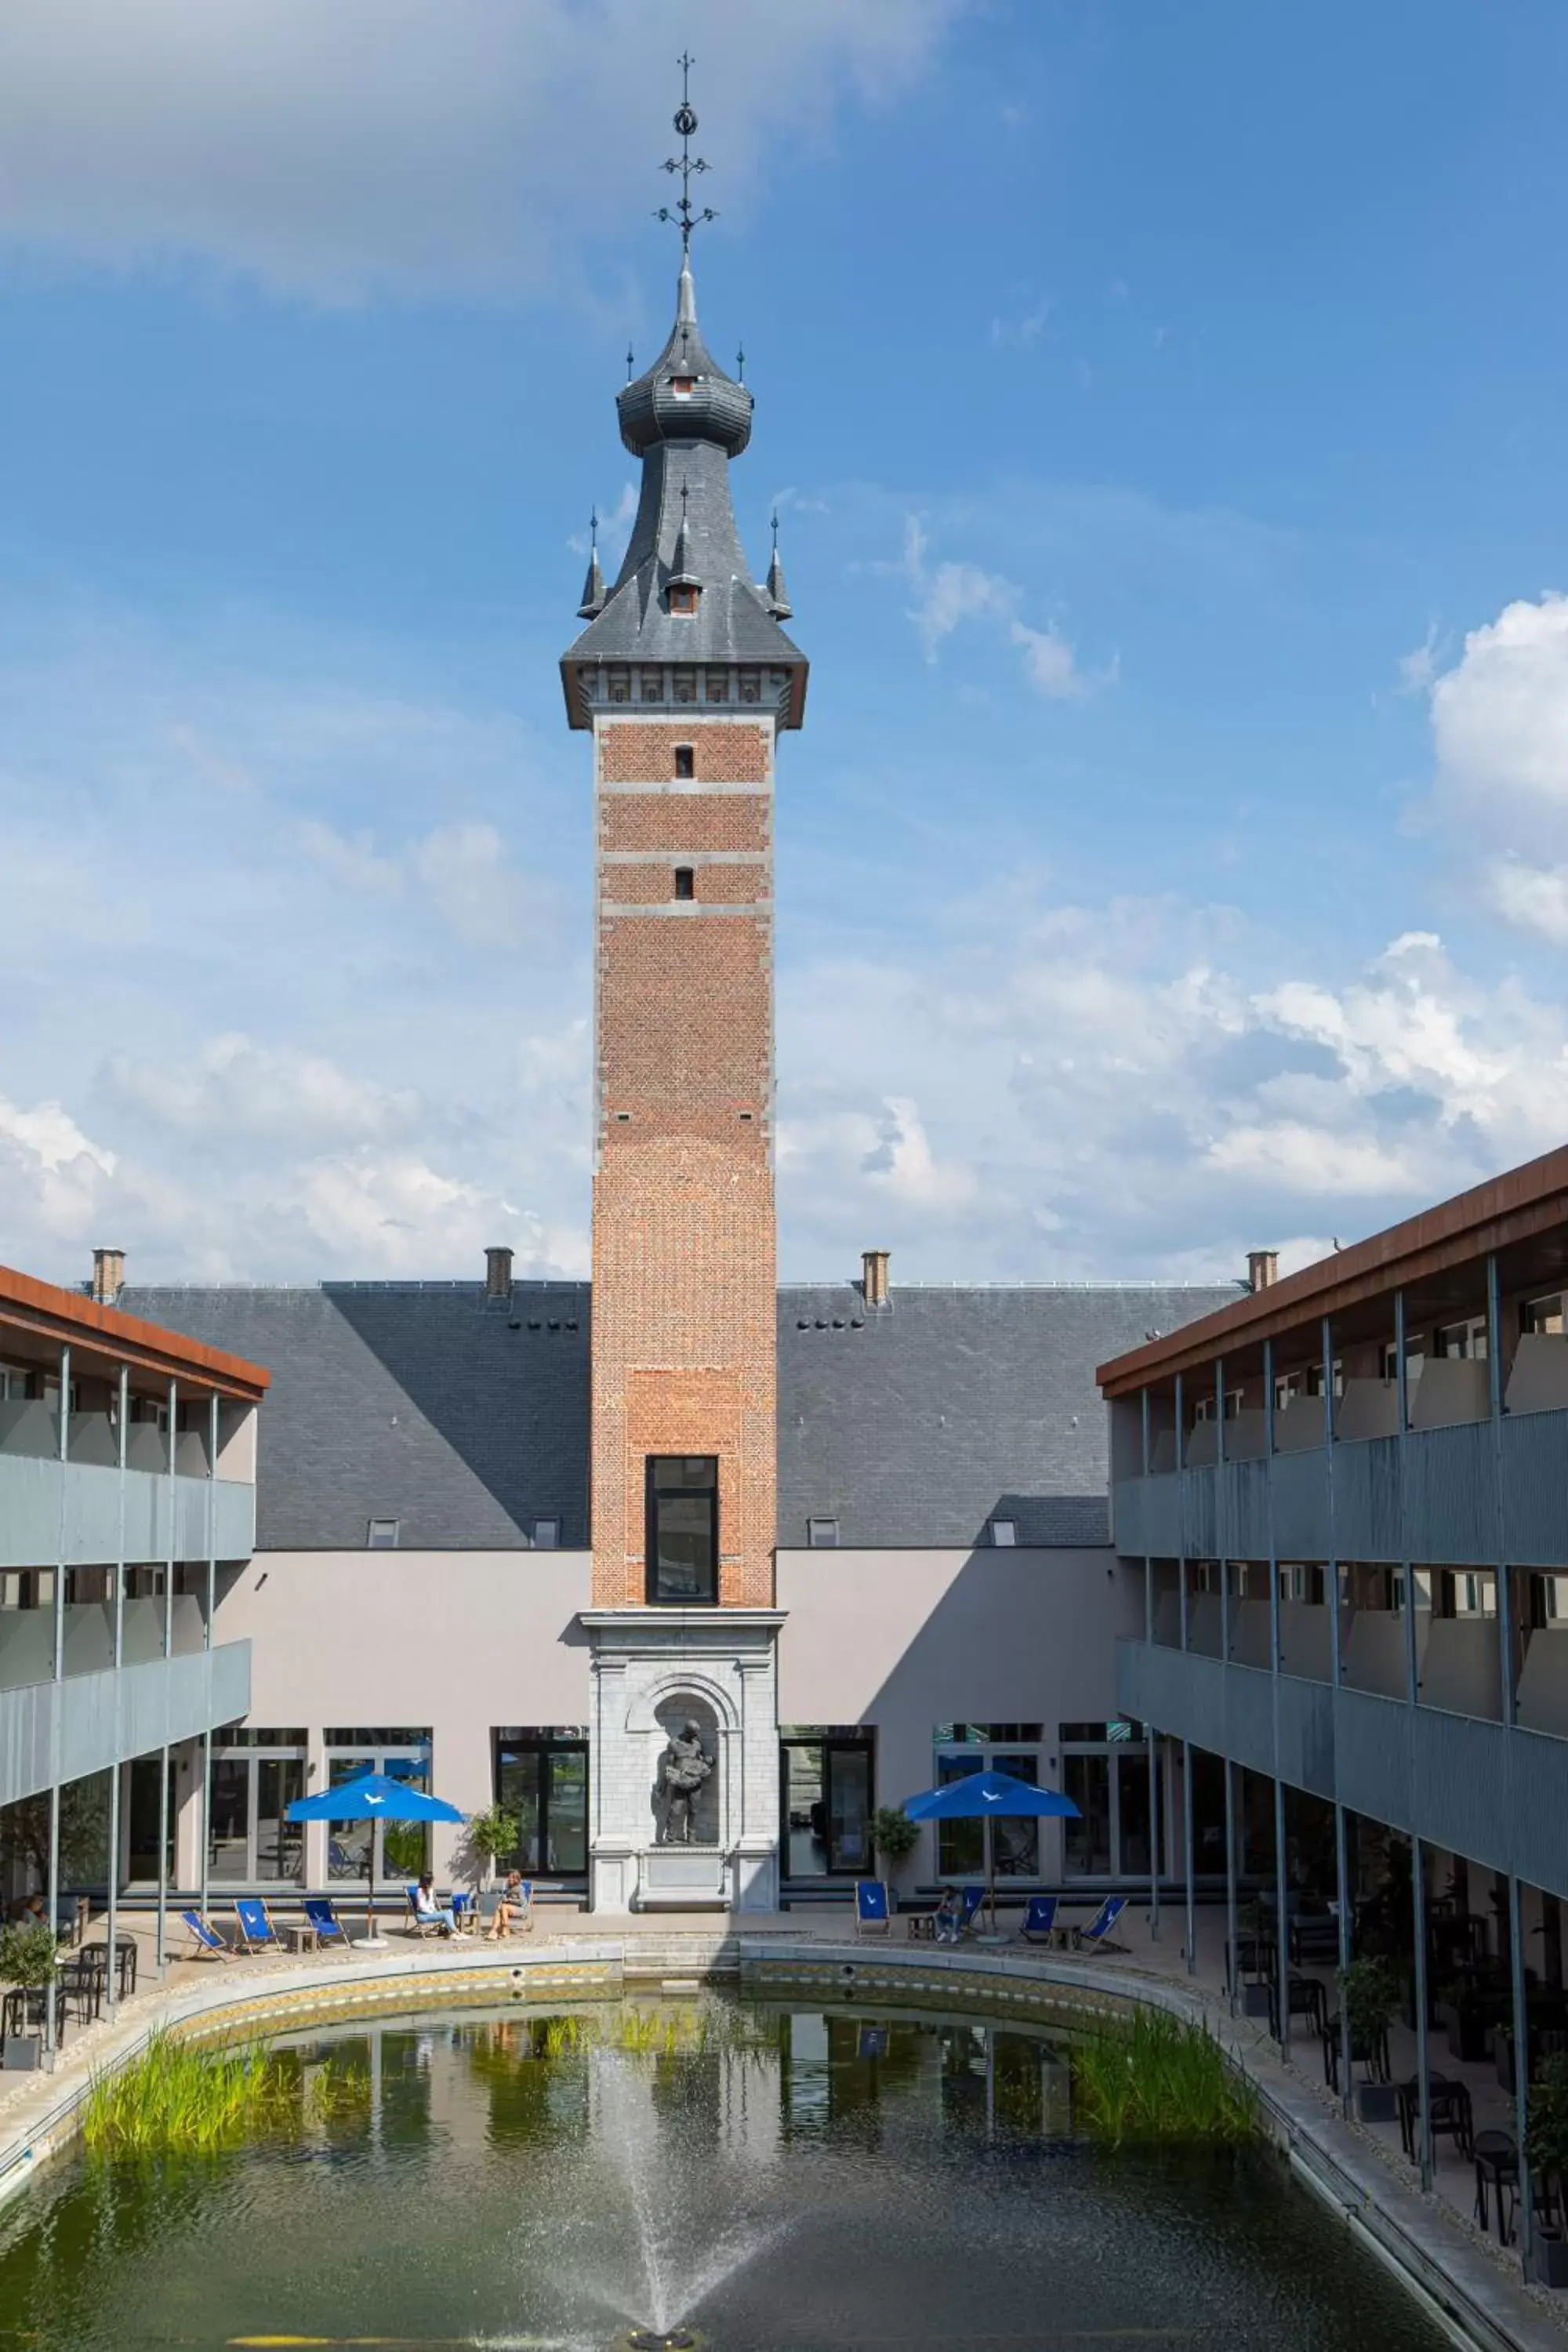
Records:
x=1105, y=1771
x=1013, y=1844
x=683, y=1528
x=257, y=1775
x=541, y=1776
x=827, y=1779
x=400, y=1849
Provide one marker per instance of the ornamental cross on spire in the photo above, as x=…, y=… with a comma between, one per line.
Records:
x=685, y=213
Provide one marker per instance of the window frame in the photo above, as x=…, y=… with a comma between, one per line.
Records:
x=653, y=1492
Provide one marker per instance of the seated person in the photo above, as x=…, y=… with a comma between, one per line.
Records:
x=425, y=1907
x=950, y=1915
x=509, y=1909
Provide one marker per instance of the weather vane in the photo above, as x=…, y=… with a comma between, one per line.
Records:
x=685, y=213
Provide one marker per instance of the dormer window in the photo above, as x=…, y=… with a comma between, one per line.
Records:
x=683, y=386
x=683, y=596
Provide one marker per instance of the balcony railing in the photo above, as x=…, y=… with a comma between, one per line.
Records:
x=51, y=1510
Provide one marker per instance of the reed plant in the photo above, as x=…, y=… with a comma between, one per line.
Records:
x=182, y=2095
x=1158, y=2078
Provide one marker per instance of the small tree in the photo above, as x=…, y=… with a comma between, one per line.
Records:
x=1547, y=2139
x=1371, y=1991
x=28, y=1952
x=893, y=1834
x=488, y=1838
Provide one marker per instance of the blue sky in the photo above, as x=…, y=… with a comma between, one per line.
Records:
x=1164, y=410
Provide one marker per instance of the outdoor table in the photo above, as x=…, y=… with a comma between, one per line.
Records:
x=1497, y=2160
x=125, y=1960
x=24, y=2010
x=300, y=1936
x=1305, y=1997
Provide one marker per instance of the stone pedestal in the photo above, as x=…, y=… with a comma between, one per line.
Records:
x=654, y=1670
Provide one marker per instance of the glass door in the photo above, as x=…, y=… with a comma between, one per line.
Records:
x=827, y=1782
x=541, y=1778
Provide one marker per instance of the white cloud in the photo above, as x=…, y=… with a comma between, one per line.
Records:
x=1499, y=716
x=950, y=594
x=1418, y=669
x=49, y=1135
x=410, y=145
x=236, y=1090
x=1532, y=897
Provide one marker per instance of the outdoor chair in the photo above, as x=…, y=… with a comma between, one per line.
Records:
x=1039, y=1920
x=321, y=1914
x=208, y=1941
x=257, y=1933
x=972, y=1899
x=418, y=1923
x=1369, y=2051
x=1496, y=2161
x=1096, y=1935
x=873, y=1912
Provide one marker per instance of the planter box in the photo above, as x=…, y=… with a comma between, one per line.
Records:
x=1548, y=2261
x=24, y=2052
x=1377, y=2102
x=1255, y=2000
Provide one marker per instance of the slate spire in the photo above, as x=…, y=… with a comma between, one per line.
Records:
x=779, y=604
x=592, y=602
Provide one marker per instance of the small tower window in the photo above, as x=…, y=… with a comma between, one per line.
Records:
x=686, y=682
x=684, y=761
x=619, y=685
x=652, y=686
x=751, y=686
x=683, y=386
x=685, y=882
x=715, y=686
x=683, y=596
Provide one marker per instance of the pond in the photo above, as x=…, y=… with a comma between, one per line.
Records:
x=765, y=2175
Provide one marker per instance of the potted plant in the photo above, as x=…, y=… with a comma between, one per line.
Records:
x=487, y=1836
x=1370, y=1990
x=1547, y=2144
x=28, y=1957
x=894, y=1836
x=1462, y=2012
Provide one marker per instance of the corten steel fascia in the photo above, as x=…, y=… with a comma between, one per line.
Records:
x=1492, y=1217
x=47, y=1312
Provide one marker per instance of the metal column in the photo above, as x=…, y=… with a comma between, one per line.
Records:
x=1230, y=1909
x=1149, y=1729
x=161, y=1950
x=1423, y=2052
x=207, y=1640
x=1337, y=1670
x=111, y=1976
x=1521, y=2074
x=1281, y=1889
x=1187, y=1844
x=1402, y=1399
x=52, y=1875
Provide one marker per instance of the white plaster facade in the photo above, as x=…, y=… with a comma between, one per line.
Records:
x=652, y=1669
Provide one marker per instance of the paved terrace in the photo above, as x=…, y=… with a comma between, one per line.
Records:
x=1361, y=2167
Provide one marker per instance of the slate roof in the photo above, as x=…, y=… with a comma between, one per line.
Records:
x=685, y=527
x=467, y=1420
x=917, y=1423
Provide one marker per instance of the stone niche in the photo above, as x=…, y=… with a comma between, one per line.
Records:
x=654, y=1669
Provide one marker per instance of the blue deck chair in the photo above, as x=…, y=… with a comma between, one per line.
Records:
x=418, y=1924
x=207, y=1938
x=257, y=1933
x=322, y=1913
x=1039, y=1920
x=1097, y=1931
x=873, y=1912
x=971, y=1897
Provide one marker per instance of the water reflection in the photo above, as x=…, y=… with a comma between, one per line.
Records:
x=811, y=2179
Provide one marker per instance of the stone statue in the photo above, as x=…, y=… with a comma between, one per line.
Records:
x=682, y=1768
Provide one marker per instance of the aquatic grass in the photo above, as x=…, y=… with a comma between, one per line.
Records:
x=1158, y=2078
x=185, y=2095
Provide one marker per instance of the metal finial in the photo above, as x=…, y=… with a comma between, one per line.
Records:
x=741, y=363
x=683, y=498
x=629, y=363
x=775, y=530
x=593, y=531
x=684, y=214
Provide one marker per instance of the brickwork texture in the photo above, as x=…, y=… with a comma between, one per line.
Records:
x=684, y=1273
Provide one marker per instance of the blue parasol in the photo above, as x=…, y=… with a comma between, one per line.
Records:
x=981, y=1796
x=373, y=1797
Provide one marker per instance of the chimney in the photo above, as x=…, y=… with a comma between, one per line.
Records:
x=874, y=1277
x=497, y=1274
x=108, y=1277
x=1262, y=1268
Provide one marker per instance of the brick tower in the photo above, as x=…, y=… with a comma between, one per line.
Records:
x=685, y=677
